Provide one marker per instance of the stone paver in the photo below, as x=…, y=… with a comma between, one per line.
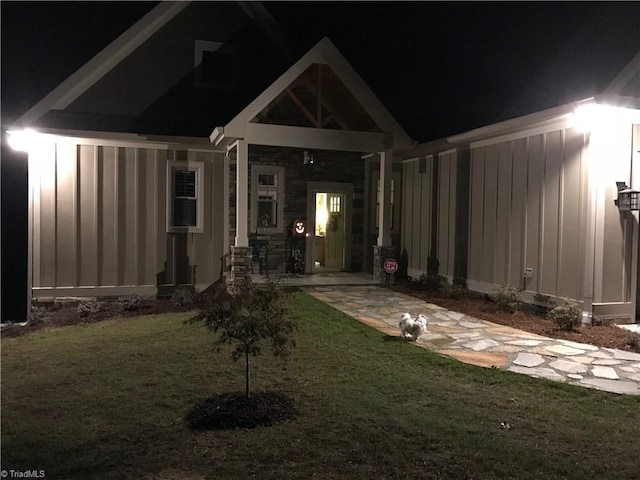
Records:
x=486, y=344
x=604, y=372
x=564, y=350
x=529, y=359
x=568, y=366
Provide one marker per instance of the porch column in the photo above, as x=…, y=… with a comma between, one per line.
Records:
x=383, y=249
x=384, y=212
x=239, y=268
x=242, y=193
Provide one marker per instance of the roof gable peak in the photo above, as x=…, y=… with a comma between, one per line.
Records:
x=323, y=53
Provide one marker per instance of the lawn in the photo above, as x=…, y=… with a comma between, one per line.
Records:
x=108, y=400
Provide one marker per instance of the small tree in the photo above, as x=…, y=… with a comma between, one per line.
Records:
x=245, y=315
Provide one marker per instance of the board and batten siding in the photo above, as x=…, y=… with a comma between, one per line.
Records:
x=612, y=152
x=429, y=198
x=100, y=222
x=527, y=212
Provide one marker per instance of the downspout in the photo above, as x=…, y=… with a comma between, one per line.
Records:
x=590, y=233
x=433, y=264
x=30, y=194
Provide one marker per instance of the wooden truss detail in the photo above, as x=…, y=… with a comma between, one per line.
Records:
x=315, y=89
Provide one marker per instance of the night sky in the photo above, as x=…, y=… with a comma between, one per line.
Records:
x=439, y=68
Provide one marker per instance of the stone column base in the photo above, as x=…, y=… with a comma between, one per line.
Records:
x=239, y=265
x=380, y=254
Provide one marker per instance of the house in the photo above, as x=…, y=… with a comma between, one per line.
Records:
x=199, y=147
x=530, y=202
x=152, y=168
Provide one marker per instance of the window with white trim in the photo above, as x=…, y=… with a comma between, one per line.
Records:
x=394, y=224
x=267, y=198
x=185, y=182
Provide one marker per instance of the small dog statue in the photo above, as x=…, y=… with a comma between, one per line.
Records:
x=413, y=328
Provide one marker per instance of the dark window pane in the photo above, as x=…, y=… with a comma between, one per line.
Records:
x=216, y=67
x=185, y=183
x=184, y=212
x=269, y=180
x=267, y=214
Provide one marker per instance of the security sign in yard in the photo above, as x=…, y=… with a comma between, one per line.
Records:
x=390, y=265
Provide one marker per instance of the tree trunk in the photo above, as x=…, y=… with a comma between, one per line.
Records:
x=248, y=382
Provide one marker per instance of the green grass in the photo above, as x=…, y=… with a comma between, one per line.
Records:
x=108, y=400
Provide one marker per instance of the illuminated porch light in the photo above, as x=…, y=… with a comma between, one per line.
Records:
x=628, y=199
x=592, y=117
x=22, y=140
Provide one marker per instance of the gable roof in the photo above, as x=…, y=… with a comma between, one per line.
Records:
x=86, y=76
x=62, y=98
x=323, y=53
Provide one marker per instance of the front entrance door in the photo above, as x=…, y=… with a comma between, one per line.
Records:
x=329, y=232
x=328, y=246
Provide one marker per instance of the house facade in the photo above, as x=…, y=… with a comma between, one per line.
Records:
x=531, y=203
x=114, y=212
x=167, y=162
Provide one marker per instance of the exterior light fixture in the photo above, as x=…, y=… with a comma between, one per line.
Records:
x=307, y=158
x=628, y=199
x=596, y=117
x=21, y=140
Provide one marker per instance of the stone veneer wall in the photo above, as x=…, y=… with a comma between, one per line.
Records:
x=380, y=255
x=329, y=166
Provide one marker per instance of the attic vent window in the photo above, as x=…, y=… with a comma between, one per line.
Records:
x=214, y=64
x=216, y=67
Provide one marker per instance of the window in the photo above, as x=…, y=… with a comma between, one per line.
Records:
x=184, y=198
x=216, y=67
x=184, y=195
x=266, y=195
x=334, y=205
x=395, y=203
x=214, y=64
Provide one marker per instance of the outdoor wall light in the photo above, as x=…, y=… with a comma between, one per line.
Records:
x=307, y=158
x=598, y=117
x=21, y=140
x=628, y=199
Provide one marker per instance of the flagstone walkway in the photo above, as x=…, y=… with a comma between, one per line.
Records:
x=482, y=343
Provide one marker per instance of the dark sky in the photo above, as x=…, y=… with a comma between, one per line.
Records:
x=440, y=68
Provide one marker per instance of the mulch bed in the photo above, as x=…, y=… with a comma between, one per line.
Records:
x=602, y=336
x=609, y=336
x=234, y=410
x=52, y=315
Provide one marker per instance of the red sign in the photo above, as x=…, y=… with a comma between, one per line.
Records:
x=390, y=265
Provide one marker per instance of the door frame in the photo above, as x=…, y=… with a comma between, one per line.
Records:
x=345, y=189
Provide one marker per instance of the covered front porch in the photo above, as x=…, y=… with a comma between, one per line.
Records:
x=300, y=150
